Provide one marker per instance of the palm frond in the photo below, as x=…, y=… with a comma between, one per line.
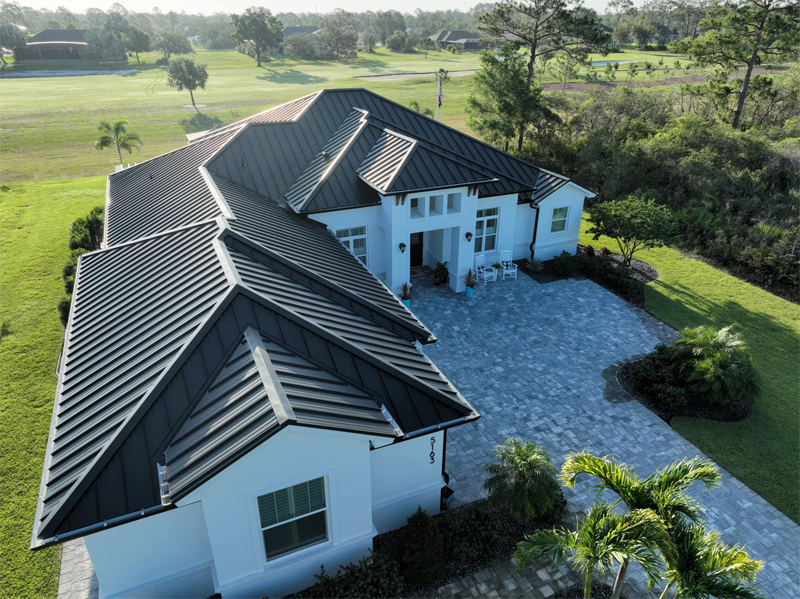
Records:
x=679, y=475
x=555, y=542
x=105, y=141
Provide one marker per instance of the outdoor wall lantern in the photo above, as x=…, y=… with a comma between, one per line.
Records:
x=469, y=236
x=402, y=248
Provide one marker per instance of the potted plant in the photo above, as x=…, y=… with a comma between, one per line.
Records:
x=470, y=281
x=440, y=273
x=405, y=294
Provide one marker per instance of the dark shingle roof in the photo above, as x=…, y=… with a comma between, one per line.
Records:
x=299, y=29
x=58, y=36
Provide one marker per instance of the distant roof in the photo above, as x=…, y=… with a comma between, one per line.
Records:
x=299, y=29
x=210, y=268
x=58, y=36
x=606, y=28
x=454, y=36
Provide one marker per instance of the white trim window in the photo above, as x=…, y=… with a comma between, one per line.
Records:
x=355, y=240
x=486, y=230
x=293, y=518
x=558, y=224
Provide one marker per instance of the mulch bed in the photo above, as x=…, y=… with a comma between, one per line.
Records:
x=599, y=591
x=735, y=412
x=390, y=545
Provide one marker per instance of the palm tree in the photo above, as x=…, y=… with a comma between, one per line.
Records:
x=703, y=566
x=602, y=539
x=524, y=479
x=117, y=135
x=663, y=491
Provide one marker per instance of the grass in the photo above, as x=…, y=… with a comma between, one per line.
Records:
x=764, y=450
x=34, y=223
x=50, y=123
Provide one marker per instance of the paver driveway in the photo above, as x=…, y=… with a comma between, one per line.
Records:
x=532, y=359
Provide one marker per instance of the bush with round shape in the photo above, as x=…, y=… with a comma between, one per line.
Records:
x=423, y=550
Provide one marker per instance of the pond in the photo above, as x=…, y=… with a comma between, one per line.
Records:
x=602, y=63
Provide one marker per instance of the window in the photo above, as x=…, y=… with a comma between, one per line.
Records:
x=355, y=240
x=559, y=222
x=416, y=207
x=453, y=202
x=293, y=518
x=486, y=230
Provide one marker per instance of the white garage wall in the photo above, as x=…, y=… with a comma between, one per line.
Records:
x=167, y=555
x=403, y=478
x=294, y=455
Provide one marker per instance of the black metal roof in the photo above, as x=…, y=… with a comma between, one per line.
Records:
x=199, y=256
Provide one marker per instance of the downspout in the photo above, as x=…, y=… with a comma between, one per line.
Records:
x=535, y=228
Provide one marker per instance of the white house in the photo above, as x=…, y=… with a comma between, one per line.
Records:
x=241, y=397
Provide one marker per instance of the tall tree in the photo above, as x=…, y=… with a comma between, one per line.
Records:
x=172, y=43
x=703, y=566
x=545, y=27
x=619, y=8
x=747, y=32
x=663, y=492
x=602, y=539
x=137, y=41
x=258, y=29
x=118, y=136
x=11, y=36
x=386, y=22
x=338, y=31
x=505, y=104
x=184, y=73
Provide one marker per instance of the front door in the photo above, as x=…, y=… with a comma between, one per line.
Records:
x=416, y=249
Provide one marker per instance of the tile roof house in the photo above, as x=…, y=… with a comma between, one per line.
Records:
x=241, y=396
x=463, y=40
x=56, y=44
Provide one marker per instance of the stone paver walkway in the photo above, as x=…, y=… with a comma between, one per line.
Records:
x=537, y=361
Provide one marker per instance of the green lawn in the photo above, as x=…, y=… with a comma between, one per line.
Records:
x=763, y=451
x=34, y=223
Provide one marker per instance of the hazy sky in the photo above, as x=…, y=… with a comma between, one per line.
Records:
x=211, y=6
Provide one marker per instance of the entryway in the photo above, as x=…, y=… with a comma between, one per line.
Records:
x=417, y=251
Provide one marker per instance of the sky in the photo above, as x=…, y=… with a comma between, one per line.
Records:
x=212, y=6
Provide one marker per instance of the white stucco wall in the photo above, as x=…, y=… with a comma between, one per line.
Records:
x=294, y=455
x=548, y=244
x=376, y=237
x=165, y=555
x=404, y=478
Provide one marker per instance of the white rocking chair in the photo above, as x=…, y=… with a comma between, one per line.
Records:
x=509, y=268
x=484, y=273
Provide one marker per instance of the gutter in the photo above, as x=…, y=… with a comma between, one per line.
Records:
x=532, y=247
x=438, y=427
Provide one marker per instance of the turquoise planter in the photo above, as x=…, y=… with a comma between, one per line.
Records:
x=470, y=292
x=407, y=303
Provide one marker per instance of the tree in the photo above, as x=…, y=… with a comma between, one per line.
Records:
x=105, y=41
x=258, y=30
x=747, y=32
x=635, y=223
x=184, y=73
x=368, y=40
x=544, y=27
x=602, y=539
x=663, y=492
x=400, y=41
x=619, y=8
x=565, y=68
x=11, y=36
x=338, y=31
x=414, y=105
x=703, y=566
x=117, y=135
x=504, y=105
x=172, y=43
x=524, y=479
x=386, y=23
x=137, y=41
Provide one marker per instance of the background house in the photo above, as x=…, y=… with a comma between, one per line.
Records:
x=299, y=29
x=56, y=44
x=463, y=40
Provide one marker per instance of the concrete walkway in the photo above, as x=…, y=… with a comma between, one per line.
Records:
x=538, y=363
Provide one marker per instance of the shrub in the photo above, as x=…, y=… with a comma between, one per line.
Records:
x=588, y=250
x=87, y=232
x=670, y=397
x=63, y=309
x=657, y=377
x=423, y=551
x=715, y=364
x=524, y=479
x=70, y=268
x=373, y=576
x=611, y=275
x=562, y=265
x=470, y=533
x=604, y=251
x=534, y=265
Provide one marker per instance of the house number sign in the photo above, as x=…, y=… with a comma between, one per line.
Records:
x=433, y=453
